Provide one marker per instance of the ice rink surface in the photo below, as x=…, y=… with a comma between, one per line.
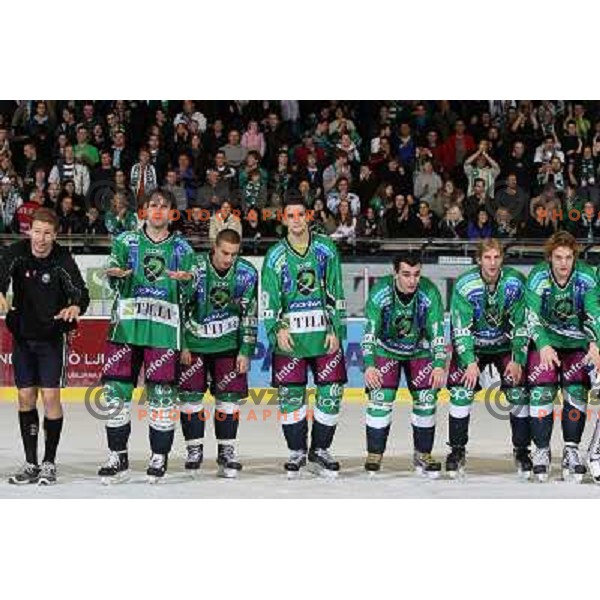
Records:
x=490, y=471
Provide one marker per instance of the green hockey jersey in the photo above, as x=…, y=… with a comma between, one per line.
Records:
x=304, y=293
x=221, y=310
x=404, y=329
x=486, y=321
x=146, y=309
x=563, y=317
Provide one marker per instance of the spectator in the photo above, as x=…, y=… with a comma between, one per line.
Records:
x=427, y=182
x=85, y=151
x=407, y=149
x=504, y=227
x=322, y=221
x=345, y=222
x=539, y=226
x=254, y=192
x=518, y=164
x=190, y=115
x=585, y=168
x=122, y=158
x=211, y=195
x=456, y=148
x=176, y=190
x=253, y=139
x=307, y=193
x=553, y=173
x=453, y=225
x=252, y=164
x=481, y=226
x=339, y=168
x=32, y=164
x=93, y=224
x=399, y=221
x=53, y=196
x=23, y=216
x=226, y=173
x=69, y=220
x=251, y=229
x=186, y=177
x=511, y=197
x=301, y=153
x=214, y=138
x=275, y=139
x=448, y=196
x=588, y=226
x=370, y=225
x=312, y=174
x=10, y=201
x=196, y=225
x=340, y=194
x=143, y=179
x=486, y=168
x=546, y=151
x=235, y=153
x=158, y=157
x=119, y=218
x=477, y=200
x=349, y=147
x=224, y=218
x=427, y=221
x=281, y=178
x=549, y=200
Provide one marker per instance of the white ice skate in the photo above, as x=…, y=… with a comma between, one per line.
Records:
x=426, y=465
x=157, y=468
x=227, y=462
x=541, y=464
x=321, y=463
x=573, y=468
x=115, y=469
x=295, y=463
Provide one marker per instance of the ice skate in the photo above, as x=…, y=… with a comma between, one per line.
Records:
x=115, y=469
x=573, y=468
x=295, y=462
x=227, y=462
x=157, y=468
x=541, y=464
x=456, y=462
x=426, y=465
x=523, y=462
x=594, y=467
x=373, y=463
x=320, y=462
x=47, y=474
x=29, y=473
x=194, y=458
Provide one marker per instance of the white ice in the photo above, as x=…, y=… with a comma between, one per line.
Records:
x=490, y=471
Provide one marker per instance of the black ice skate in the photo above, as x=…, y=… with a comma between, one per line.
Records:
x=320, y=462
x=115, y=469
x=523, y=462
x=541, y=464
x=456, y=462
x=426, y=465
x=296, y=461
x=373, y=463
x=573, y=468
x=195, y=455
x=227, y=461
x=47, y=474
x=29, y=473
x=157, y=468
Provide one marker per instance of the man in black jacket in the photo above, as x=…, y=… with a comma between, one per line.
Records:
x=49, y=296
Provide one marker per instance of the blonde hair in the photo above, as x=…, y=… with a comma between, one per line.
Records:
x=489, y=244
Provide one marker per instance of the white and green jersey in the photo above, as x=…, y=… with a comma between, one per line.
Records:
x=221, y=311
x=146, y=309
x=304, y=293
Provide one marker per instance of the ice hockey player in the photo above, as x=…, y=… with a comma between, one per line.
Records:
x=304, y=314
x=404, y=332
x=220, y=325
x=487, y=328
x=563, y=319
x=147, y=269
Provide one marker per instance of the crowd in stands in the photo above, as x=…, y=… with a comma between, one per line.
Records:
x=367, y=169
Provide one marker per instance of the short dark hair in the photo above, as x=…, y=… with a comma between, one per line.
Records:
x=294, y=199
x=228, y=235
x=410, y=257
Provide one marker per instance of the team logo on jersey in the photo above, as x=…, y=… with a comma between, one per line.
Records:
x=219, y=297
x=403, y=324
x=563, y=309
x=307, y=280
x=493, y=316
x=154, y=267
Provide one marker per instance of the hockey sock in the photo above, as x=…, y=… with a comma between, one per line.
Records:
x=379, y=418
x=326, y=414
x=293, y=416
x=519, y=416
x=193, y=417
x=117, y=396
x=52, y=429
x=29, y=423
x=461, y=401
x=574, y=413
x=163, y=416
x=423, y=419
x=541, y=414
x=227, y=417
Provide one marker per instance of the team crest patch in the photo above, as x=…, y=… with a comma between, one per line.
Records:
x=219, y=297
x=154, y=267
x=307, y=280
x=403, y=324
x=563, y=309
